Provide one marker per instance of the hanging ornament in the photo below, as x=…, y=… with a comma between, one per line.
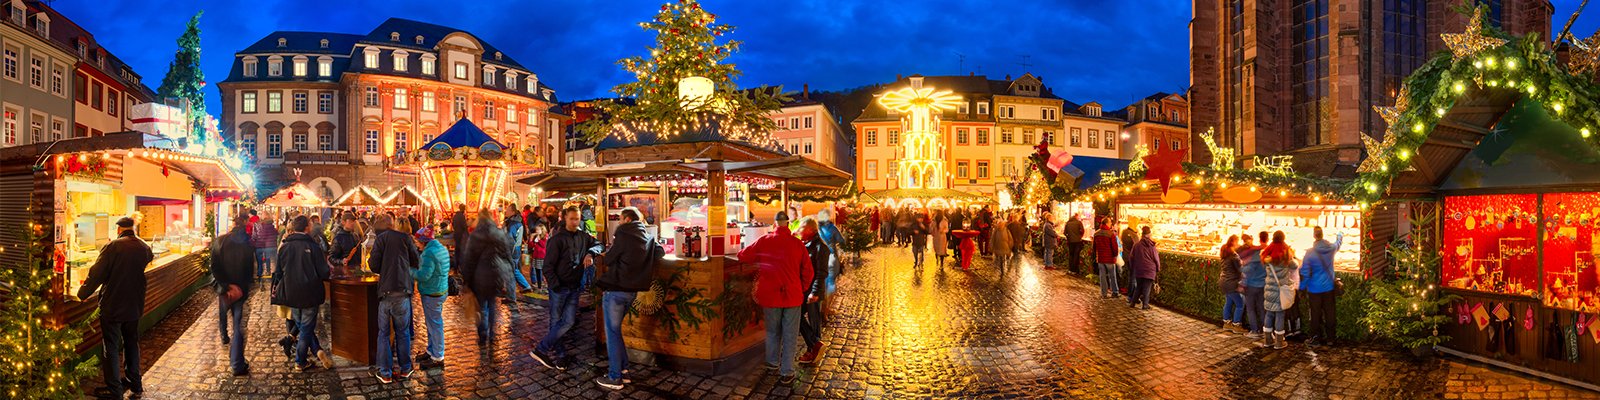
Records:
x=165, y=171
x=1473, y=40
x=1585, y=56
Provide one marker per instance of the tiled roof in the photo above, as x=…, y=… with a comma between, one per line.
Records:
x=66, y=33
x=409, y=30
x=303, y=42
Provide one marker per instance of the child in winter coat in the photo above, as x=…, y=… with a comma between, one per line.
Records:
x=1282, y=277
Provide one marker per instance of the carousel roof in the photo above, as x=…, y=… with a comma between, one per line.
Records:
x=463, y=134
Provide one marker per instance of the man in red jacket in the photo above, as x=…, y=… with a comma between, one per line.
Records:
x=783, y=273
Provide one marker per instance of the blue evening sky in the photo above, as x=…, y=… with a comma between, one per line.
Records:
x=1086, y=50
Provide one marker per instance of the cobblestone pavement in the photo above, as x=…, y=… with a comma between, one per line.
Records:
x=894, y=332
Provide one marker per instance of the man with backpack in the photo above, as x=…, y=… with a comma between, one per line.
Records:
x=630, y=266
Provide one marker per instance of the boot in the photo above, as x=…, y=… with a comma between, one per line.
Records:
x=1278, y=341
x=1266, y=339
x=811, y=355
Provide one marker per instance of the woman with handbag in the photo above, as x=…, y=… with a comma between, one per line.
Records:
x=1146, y=266
x=1283, y=276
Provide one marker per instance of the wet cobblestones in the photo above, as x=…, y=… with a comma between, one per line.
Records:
x=893, y=332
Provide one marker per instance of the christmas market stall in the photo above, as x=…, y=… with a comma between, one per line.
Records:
x=1193, y=208
x=178, y=188
x=1491, y=156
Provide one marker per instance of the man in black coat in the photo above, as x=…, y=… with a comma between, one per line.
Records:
x=302, y=268
x=458, y=234
x=393, y=256
x=486, y=261
x=568, y=252
x=120, y=269
x=816, y=292
x=233, y=261
x=344, y=255
x=630, y=267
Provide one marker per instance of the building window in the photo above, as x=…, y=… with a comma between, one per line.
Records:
x=427, y=66
x=36, y=73
x=808, y=147
x=794, y=123
x=427, y=101
x=1008, y=166
x=872, y=137
x=372, y=141
x=299, y=143
x=461, y=106
x=1008, y=112
x=511, y=80
x=1050, y=137
x=872, y=169
x=249, y=145
x=961, y=169
x=113, y=98
x=324, y=67
x=1177, y=144
x=1075, y=139
x=10, y=127
x=1047, y=114
x=97, y=98
x=370, y=58
x=894, y=137
x=274, y=102
x=58, y=129
x=300, y=100
x=794, y=148
x=247, y=102
x=250, y=67
x=808, y=122
x=1005, y=133
x=461, y=70
x=402, y=100
x=274, y=67
x=983, y=108
x=1094, y=138
x=1111, y=140
x=323, y=43
x=488, y=77
x=1027, y=137
x=962, y=108
x=58, y=80
x=961, y=136
x=983, y=169
x=36, y=129
x=983, y=137
x=783, y=124
x=299, y=66
x=11, y=64
x=325, y=141
x=274, y=145
x=511, y=112
x=488, y=110
x=399, y=58
x=1157, y=147
x=325, y=102
x=402, y=140
x=372, y=96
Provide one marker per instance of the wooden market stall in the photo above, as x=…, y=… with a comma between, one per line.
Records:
x=696, y=197
x=74, y=190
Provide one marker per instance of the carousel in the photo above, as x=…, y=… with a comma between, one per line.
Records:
x=464, y=166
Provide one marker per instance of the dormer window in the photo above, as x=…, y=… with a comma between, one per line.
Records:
x=17, y=12
x=419, y=39
x=324, y=43
x=250, y=66
x=399, y=57
x=283, y=42
x=41, y=23
x=488, y=76
x=325, y=66
x=300, y=66
x=429, y=64
x=394, y=36
x=533, y=82
x=370, y=57
x=511, y=80
x=275, y=66
x=83, y=48
x=497, y=56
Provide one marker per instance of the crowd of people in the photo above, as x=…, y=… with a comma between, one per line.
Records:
x=1262, y=285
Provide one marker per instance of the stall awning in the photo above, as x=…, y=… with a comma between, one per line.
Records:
x=403, y=196
x=796, y=170
x=295, y=195
x=359, y=196
x=211, y=171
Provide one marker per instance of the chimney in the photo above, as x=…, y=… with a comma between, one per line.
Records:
x=805, y=91
x=1008, y=77
x=899, y=77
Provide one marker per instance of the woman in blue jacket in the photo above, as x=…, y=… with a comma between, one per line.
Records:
x=433, y=282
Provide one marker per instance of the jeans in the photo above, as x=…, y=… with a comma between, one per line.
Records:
x=1049, y=254
x=1274, y=319
x=236, y=318
x=1074, y=255
x=1253, y=298
x=121, y=345
x=519, y=280
x=222, y=316
x=1107, y=274
x=488, y=317
x=1324, y=319
x=917, y=255
x=783, y=325
x=264, y=258
x=563, y=313
x=811, y=322
x=305, y=321
x=394, y=317
x=615, y=306
x=1233, y=307
x=1144, y=292
x=433, y=315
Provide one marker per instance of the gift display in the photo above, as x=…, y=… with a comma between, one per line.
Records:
x=1490, y=243
x=1571, y=280
x=1200, y=229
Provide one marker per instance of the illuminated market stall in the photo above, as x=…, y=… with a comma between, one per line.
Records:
x=73, y=191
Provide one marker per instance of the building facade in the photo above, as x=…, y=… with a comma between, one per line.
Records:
x=989, y=136
x=34, y=97
x=808, y=128
x=1159, y=121
x=1300, y=77
x=104, y=89
x=336, y=106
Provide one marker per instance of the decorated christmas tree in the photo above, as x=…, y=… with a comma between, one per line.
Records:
x=1406, y=306
x=684, y=86
x=184, y=78
x=37, y=355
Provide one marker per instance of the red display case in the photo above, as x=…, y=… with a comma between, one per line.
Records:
x=1570, y=277
x=1490, y=244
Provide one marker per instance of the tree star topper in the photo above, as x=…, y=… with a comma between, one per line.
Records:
x=1473, y=40
x=1163, y=166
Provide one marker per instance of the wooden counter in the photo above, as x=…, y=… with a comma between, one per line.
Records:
x=708, y=348
x=168, y=283
x=353, y=309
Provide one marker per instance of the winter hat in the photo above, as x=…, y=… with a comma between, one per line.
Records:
x=425, y=234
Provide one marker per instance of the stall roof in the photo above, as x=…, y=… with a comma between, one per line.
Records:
x=295, y=195
x=362, y=195
x=403, y=196
x=208, y=170
x=1093, y=166
x=928, y=194
x=797, y=170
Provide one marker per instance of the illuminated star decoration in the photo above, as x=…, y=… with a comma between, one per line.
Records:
x=1389, y=114
x=1163, y=166
x=1585, y=56
x=1377, y=152
x=1473, y=40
